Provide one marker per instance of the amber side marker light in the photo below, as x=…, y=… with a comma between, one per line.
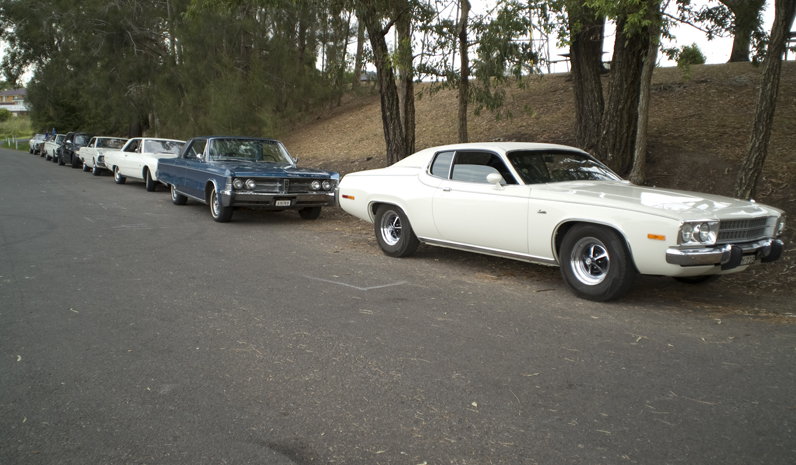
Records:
x=350, y=197
x=656, y=237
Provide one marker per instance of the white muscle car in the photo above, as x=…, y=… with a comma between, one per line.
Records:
x=51, y=145
x=93, y=156
x=138, y=159
x=557, y=205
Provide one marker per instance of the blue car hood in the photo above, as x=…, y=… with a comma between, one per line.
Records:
x=272, y=170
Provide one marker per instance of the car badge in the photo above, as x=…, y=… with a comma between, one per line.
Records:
x=285, y=186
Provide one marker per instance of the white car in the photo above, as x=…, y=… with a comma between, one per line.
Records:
x=557, y=205
x=93, y=156
x=138, y=159
x=51, y=146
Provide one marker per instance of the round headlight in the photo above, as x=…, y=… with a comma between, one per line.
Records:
x=315, y=185
x=704, y=232
x=686, y=234
x=237, y=184
x=250, y=184
x=327, y=185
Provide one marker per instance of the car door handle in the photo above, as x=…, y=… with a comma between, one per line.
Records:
x=446, y=189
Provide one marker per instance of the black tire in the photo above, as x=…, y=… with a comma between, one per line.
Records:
x=177, y=198
x=218, y=211
x=54, y=158
x=86, y=169
x=60, y=159
x=698, y=279
x=310, y=213
x=394, y=232
x=46, y=156
x=150, y=183
x=595, y=263
x=75, y=161
x=117, y=176
x=96, y=171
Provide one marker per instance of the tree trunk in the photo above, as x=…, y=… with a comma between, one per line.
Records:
x=464, y=84
x=390, y=104
x=745, y=184
x=638, y=175
x=360, y=54
x=746, y=18
x=403, y=26
x=586, y=51
x=620, y=119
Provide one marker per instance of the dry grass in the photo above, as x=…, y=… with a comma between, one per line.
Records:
x=699, y=130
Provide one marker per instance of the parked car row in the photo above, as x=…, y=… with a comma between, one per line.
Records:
x=539, y=203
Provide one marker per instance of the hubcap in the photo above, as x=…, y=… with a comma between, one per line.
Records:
x=214, y=204
x=590, y=261
x=391, y=228
x=173, y=193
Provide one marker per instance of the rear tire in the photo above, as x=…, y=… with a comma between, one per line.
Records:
x=96, y=171
x=177, y=198
x=86, y=169
x=117, y=176
x=75, y=161
x=218, y=211
x=595, y=263
x=150, y=183
x=310, y=213
x=394, y=232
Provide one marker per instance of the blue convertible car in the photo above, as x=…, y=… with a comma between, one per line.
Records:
x=227, y=172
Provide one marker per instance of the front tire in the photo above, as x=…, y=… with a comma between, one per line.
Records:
x=75, y=161
x=118, y=176
x=394, y=232
x=60, y=159
x=218, y=211
x=595, y=263
x=310, y=213
x=86, y=169
x=96, y=170
x=177, y=198
x=150, y=183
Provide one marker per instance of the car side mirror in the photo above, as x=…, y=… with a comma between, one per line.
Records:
x=496, y=179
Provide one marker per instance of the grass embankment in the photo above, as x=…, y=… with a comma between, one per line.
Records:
x=16, y=127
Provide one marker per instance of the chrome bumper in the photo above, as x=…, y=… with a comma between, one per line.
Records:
x=729, y=256
x=268, y=200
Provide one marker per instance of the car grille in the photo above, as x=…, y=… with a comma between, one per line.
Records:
x=277, y=186
x=742, y=230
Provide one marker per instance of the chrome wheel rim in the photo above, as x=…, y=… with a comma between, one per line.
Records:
x=116, y=173
x=173, y=193
x=390, y=228
x=590, y=261
x=214, y=204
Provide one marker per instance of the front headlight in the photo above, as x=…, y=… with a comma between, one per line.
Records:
x=237, y=184
x=315, y=185
x=327, y=186
x=250, y=184
x=780, y=226
x=698, y=233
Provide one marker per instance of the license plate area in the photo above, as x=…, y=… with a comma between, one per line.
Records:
x=748, y=260
x=283, y=202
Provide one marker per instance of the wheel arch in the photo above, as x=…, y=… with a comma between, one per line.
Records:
x=565, y=226
x=211, y=183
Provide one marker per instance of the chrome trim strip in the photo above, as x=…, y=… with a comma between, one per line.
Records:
x=488, y=251
x=190, y=196
x=718, y=255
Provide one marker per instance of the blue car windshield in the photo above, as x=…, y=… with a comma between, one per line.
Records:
x=536, y=167
x=257, y=150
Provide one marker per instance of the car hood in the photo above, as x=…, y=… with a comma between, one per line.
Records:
x=669, y=203
x=272, y=170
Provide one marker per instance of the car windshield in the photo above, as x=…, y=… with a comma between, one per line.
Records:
x=535, y=167
x=163, y=146
x=269, y=151
x=60, y=138
x=110, y=143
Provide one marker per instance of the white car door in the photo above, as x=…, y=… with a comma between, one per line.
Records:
x=126, y=159
x=469, y=210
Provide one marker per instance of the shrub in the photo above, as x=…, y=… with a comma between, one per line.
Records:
x=5, y=115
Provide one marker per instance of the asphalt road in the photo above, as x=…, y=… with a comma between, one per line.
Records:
x=136, y=331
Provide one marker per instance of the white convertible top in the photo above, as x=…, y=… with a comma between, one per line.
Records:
x=418, y=159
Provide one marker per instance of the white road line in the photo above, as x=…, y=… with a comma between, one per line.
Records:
x=356, y=287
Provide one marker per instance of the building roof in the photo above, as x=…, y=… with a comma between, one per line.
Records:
x=20, y=91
